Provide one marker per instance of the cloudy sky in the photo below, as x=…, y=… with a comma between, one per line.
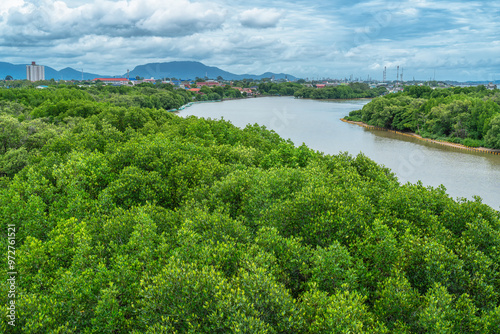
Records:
x=456, y=40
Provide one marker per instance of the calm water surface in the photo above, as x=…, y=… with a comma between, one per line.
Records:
x=317, y=124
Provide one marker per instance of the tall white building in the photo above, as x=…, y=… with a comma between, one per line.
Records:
x=35, y=72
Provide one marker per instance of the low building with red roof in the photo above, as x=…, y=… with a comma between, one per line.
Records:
x=248, y=91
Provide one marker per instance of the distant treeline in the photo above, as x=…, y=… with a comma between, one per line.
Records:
x=70, y=100
x=351, y=91
x=275, y=88
x=354, y=90
x=131, y=219
x=470, y=116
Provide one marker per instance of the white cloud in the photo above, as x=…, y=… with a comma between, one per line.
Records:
x=333, y=39
x=260, y=18
x=6, y=5
x=408, y=12
x=183, y=18
x=54, y=20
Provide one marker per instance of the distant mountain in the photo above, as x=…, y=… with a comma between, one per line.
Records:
x=496, y=82
x=175, y=69
x=69, y=73
x=193, y=69
x=18, y=72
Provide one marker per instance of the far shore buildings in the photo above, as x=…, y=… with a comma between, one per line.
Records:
x=247, y=91
x=208, y=84
x=491, y=86
x=35, y=72
x=113, y=81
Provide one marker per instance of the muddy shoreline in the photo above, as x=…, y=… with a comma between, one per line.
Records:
x=414, y=135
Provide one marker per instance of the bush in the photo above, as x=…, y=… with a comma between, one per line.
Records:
x=472, y=142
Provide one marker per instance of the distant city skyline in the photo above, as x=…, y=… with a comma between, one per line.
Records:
x=448, y=40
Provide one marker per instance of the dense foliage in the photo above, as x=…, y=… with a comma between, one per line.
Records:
x=283, y=88
x=354, y=90
x=470, y=116
x=134, y=220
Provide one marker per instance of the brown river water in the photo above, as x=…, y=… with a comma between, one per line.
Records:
x=317, y=124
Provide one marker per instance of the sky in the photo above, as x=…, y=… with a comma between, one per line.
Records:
x=446, y=40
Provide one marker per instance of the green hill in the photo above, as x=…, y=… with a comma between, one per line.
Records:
x=133, y=220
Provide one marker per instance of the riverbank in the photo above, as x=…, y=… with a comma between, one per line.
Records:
x=334, y=100
x=414, y=135
x=190, y=104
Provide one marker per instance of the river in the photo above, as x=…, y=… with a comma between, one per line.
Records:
x=317, y=124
